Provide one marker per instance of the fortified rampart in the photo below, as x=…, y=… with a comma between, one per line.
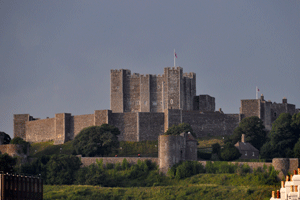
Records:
x=283, y=165
x=145, y=106
x=267, y=111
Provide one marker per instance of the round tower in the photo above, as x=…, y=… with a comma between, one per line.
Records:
x=168, y=151
x=282, y=165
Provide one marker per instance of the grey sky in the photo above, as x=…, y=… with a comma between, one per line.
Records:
x=56, y=56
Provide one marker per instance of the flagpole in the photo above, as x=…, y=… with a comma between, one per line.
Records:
x=174, y=59
x=256, y=93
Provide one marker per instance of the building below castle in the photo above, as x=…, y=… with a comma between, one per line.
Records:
x=145, y=106
x=289, y=188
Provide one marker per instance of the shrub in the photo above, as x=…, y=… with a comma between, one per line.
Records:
x=203, y=155
x=20, y=141
x=118, y=166
x=230, y=152
x=109, y=165
x=186, y=169
x=219, y=167
x=125, y=164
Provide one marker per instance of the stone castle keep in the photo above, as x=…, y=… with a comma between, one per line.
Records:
x=145, y=106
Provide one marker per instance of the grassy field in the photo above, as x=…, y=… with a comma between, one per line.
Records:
x=206, y=142
x=48, y=148
x=201, y=186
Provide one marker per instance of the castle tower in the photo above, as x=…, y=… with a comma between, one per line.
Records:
x=168, y=151
x=117, y=82
x=152, y=93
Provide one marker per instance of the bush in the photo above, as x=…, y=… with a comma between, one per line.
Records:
x=20, y=141
x=61, y=169
x=178, y=129
x=203, y=155
x=7, y=163
x=219, y=167
x=96, y=140
x=185, y=169
x=230, y=152
x=109, y=165
x=125, y=164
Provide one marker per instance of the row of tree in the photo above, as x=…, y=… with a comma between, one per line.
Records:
x=282, y=141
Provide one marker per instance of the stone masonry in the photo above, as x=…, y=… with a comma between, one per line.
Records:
x=145, y=106
x=267, y=111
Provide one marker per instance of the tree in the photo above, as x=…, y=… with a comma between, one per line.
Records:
x=61, y=169
x=20, y=141
x=230, y=152
x=254, y=131
x=296, y=123
x=178, y=129
x=96, y=140
x=7, y=163
x=297, y=149
x=282, y=137
x=6, y=138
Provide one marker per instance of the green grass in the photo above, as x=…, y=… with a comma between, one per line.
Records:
x=206, y=142
x=48, y=148
x=202, y=186
x=145, y=148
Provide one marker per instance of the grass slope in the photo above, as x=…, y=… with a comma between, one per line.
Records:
x=191, y=191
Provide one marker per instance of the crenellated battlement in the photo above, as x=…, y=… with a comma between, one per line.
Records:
x=119, y=70
x=145, y=75
x=189, y=75
x=173, y=68
x=135, y=75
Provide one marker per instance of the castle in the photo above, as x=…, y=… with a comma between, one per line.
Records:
x=145, y=106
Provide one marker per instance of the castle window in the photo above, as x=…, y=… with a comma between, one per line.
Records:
x=161, y=103
x=158, y=87
x=117, y=87
x=253, y=154
x=275, y=114
x=246, y=153
x=145, y=102
x=154, y=103
x=171, y=101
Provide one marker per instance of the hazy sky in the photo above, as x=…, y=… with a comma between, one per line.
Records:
x=56, y=56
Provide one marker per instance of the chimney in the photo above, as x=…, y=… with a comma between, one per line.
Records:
x=243, y=138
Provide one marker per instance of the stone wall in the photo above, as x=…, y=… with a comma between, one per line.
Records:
x=156, y=93
x=126, y=123
x=78, y=122
x=86, y=161
x=252, y=165
x=285, y=165
x=102, y=117
x=13, y=150
x=145, y=93
x=40, y=130
x=150, y=126
x=204, y=123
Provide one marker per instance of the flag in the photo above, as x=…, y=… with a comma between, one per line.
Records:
x=175, y=55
